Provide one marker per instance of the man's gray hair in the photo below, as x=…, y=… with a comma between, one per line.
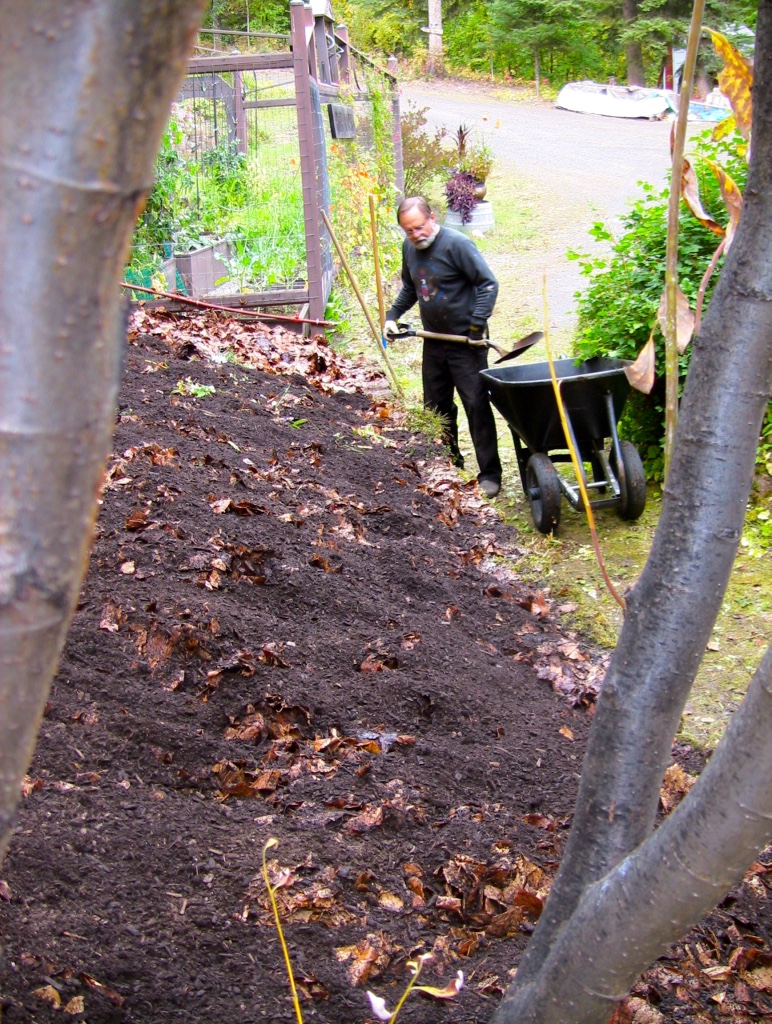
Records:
x=414, y=203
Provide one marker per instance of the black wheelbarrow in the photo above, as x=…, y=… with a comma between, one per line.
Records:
x=594, y=393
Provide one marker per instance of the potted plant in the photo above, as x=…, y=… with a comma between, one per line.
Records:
x=461, y=192
x=477, y=162
x=199, y=260
x=470, y=164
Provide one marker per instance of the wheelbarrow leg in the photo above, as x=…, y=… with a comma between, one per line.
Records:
x=627, y=466
x=523, y=455
x=615, y=445
x=575, y=444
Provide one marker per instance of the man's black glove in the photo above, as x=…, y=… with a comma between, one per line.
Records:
x=477, y=333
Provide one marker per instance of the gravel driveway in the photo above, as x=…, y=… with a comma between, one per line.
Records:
x=579, y=167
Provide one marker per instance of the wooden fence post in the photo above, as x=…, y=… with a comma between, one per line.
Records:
x=241, y=121
x=344, y=58
x=312, y=157
x=396, y=135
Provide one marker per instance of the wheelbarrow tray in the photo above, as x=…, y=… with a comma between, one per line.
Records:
x=524, y=396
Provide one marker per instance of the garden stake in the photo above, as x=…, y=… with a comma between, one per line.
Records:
x=226, y=309
x=671, y=254
x=377, y=261
x=287, y=962
x=376, y=333
x=575, y=456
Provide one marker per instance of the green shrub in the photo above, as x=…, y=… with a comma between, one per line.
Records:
x=618, y=310
x=423, y=155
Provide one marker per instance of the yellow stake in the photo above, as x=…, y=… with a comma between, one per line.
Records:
x=298, y=1013
x=377, y=261
x=365, y=310
x=574, y=454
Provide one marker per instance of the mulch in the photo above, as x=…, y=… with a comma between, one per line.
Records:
x=300, y=624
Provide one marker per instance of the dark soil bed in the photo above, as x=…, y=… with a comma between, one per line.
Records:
x=299, y=624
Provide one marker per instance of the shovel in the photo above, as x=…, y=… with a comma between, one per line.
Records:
x=520, y=346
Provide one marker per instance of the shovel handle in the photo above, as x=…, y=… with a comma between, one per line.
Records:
x=444, y=337
x=518, y=347
x=461, y=338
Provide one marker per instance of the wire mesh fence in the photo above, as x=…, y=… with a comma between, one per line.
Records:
x=239, y=182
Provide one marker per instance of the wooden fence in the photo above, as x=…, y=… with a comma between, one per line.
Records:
x=319, y=62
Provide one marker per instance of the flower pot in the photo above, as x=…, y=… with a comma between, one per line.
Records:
x=200, y=268
x=480, y=191
x=482, y=219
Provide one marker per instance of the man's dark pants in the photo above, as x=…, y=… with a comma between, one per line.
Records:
x=448, y=365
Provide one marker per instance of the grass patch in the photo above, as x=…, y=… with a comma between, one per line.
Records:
x=566, y=564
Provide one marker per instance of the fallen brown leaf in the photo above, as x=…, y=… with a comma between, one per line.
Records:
x=320, y=562
x=75, y=1006
x=391, y=902
x=137, y=520
x=97, y=986
x=675, y=785
x=49, y=995
x=370, y=817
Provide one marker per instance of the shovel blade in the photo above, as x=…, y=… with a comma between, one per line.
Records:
x=520, y=346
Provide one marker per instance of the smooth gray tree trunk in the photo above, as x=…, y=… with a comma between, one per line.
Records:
x=632, y=915
x=85, y=90
x=672, y=609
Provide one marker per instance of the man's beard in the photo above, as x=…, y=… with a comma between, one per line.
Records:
x=426, y=242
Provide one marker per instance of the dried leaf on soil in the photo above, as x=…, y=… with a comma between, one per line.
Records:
x=97, y=986
x=320, y=562
x=369, y=958
x=676, y=784
x=449, y=991
x=370, y=817
x=49, y=995
x=75, y=1006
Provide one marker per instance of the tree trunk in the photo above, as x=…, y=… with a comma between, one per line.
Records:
x=436, y=59
x=633, y=51
x=671, y=610
x=82, y=109
x=536, y=73
x=633, y=914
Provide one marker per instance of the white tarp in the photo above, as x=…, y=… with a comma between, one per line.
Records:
x=615, y=100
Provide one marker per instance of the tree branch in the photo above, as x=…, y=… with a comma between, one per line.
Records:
x=630, y=917
x=672, y=609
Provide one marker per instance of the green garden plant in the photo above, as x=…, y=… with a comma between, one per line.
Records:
x=471, y=157
x=618, y=310
x=192, y=388
x=424, y=158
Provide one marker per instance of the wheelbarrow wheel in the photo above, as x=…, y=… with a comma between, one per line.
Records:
x=632, y=500
x=542, y=488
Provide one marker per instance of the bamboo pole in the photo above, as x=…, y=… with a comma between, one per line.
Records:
x=376, y=333
x=377, y=261
x=671, y=263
